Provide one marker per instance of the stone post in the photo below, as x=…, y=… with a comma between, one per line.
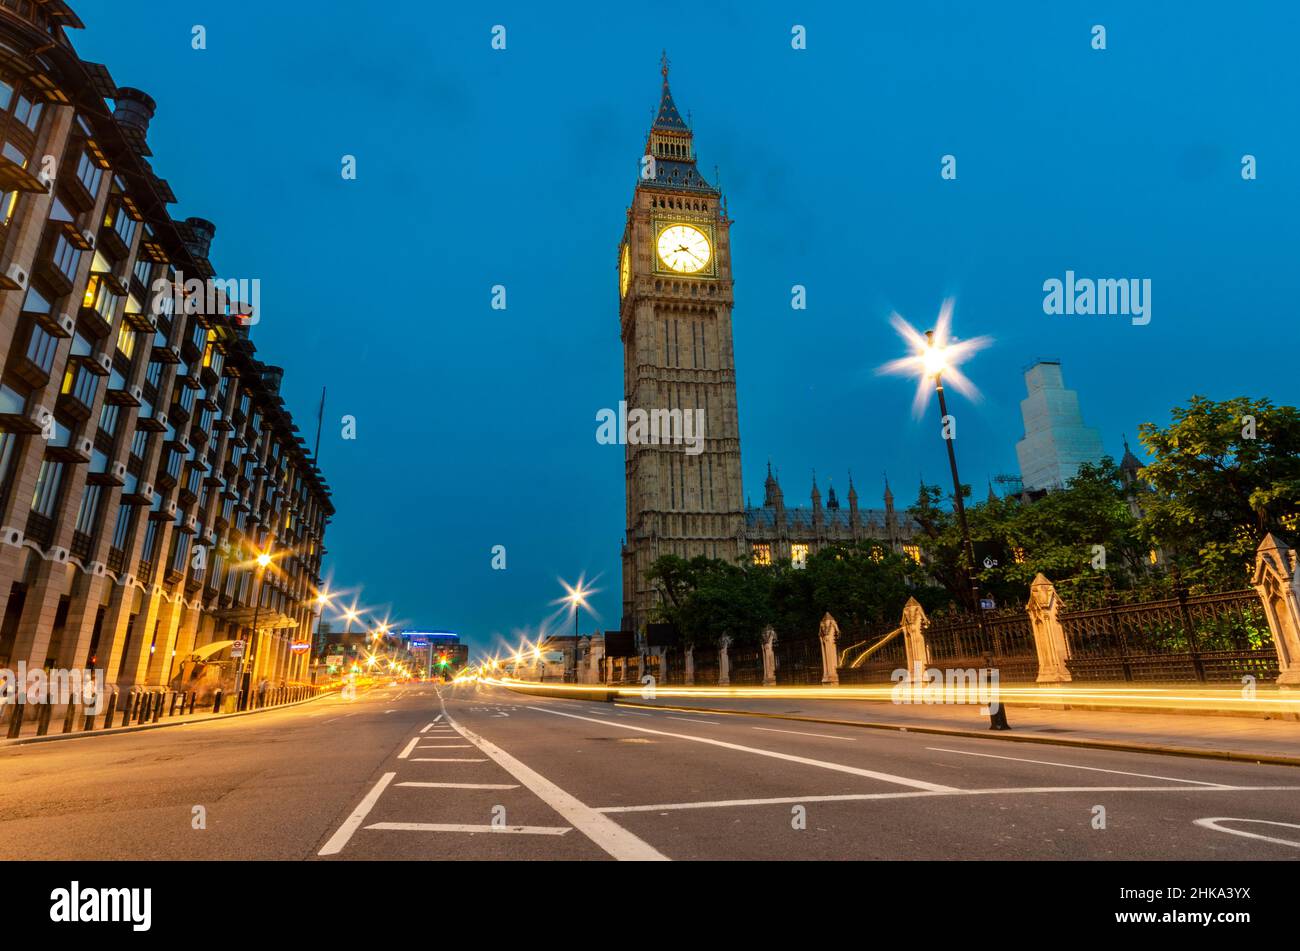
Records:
x=769, y=657
x=724, y=662
x=1049, y=636
x=829, y=633
x=688, y=666
x=596, y=659
x=914, y=624
x=1277, y=580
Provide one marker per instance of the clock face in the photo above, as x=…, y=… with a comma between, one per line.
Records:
x=624, y=272
x=684, y=249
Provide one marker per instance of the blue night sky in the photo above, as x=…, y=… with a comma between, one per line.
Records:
x=478, y=167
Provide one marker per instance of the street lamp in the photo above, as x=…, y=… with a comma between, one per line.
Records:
x=262, y=560
x=932, y=356
x=576, y=598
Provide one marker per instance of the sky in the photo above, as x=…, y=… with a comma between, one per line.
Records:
x=478, y=167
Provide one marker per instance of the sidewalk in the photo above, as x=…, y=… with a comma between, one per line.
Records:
x=1219, y=737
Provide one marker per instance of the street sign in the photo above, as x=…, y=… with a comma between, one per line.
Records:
x=237, y=649
x=299, y=646
x=334, y=660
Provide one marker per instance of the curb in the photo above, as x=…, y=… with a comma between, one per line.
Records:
x=140, y=727
x=1270, y=759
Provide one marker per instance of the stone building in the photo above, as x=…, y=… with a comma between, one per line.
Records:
x=675, y=299
x=146, y=456
x=776, y=532
x=1056, y=440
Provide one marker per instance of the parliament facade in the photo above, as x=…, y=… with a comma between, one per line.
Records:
x=146, y=456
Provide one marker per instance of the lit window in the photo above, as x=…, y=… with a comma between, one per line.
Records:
x=913, y=552
x=1018, y=556
x=1154, y=556
x=762, y=554
x=799, y=556
x=877, y=554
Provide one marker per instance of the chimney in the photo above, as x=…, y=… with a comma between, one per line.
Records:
x=133, y=108
x=204, y=231
x=272, y=376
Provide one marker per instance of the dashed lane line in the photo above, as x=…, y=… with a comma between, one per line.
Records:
x=453, y=827
x=409, y=748
x=462, y=785
x=600, y=829
x=773, y=754
x=432, y=759
x=353, y=822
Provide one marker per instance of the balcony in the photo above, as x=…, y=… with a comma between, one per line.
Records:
x=40, y=529
x=33, y=363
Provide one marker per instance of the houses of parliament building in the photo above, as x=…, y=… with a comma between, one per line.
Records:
x=675, y=299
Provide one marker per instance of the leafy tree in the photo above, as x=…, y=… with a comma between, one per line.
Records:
x=1222, y=476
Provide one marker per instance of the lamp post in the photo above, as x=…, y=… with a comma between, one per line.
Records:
x=967, y=545
x=576, y=598
x=263, y=559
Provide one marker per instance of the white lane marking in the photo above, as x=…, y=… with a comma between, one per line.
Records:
x=1013, y=790
x=1091, y=769
x=462, y=785
x=693, y=720
x=353, y=822
x=632, y=713
x=804, y=760
x=824, y=736
x=426, y=759
x=437, y=718
x=603, y=831
x=409, y=746
x=446, y=827
x=1213, y=823
x=425, y=729
x=446, y=746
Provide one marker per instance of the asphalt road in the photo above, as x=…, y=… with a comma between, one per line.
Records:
x=475, y=772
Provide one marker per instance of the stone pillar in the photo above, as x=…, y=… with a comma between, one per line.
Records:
x=914, y=623
x=36, y=623
x=829, y=632
x=142, y=636
x=596, y=660
x=724, y=661
x=160, y=661
x=83, y=609
x=688, y=666
x=769, y=656
x=1277, y=580
x=1049, y=636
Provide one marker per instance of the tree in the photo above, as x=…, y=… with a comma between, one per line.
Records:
x=1222, y=476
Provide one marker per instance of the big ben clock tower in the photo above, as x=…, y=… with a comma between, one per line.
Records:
x=675, y=295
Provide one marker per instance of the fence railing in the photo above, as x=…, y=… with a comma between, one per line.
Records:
x=1211, y=638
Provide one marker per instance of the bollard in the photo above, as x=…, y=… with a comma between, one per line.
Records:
x=108, y=711
x=176, y=698
x=142, y=706
x=16, y=719
x=159, y=701
x=43, y=718
x=127, y=706
x=216, y=702
x=69, y=718
x=998, y=716
x=194, y=696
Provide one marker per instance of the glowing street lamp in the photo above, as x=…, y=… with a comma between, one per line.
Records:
x=576, y=598
x=934, y=355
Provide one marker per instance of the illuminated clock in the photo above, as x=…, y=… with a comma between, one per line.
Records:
x=684, y=249
x=624, y=272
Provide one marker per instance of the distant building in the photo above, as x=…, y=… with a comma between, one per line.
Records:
x=1056, y=441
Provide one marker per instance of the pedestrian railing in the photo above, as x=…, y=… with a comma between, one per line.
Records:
x=132, y=706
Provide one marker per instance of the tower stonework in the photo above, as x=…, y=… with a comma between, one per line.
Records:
x=675, y=287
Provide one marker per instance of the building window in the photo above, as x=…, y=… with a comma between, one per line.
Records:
x=1018, y=555
x=762, y=553
x=799, y=555
x=89, y=506
x=913, y=552
x=46, y=497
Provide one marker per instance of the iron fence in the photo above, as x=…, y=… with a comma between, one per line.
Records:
x=1001, y=639
x=1205, y=638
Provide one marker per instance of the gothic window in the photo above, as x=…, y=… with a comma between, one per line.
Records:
x=913, y=552
x=762, y=553
x=799, y=555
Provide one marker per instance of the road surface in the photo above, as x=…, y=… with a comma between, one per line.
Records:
x=477, y=772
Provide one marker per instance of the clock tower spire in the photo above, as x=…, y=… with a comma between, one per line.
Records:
x=683, y=486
